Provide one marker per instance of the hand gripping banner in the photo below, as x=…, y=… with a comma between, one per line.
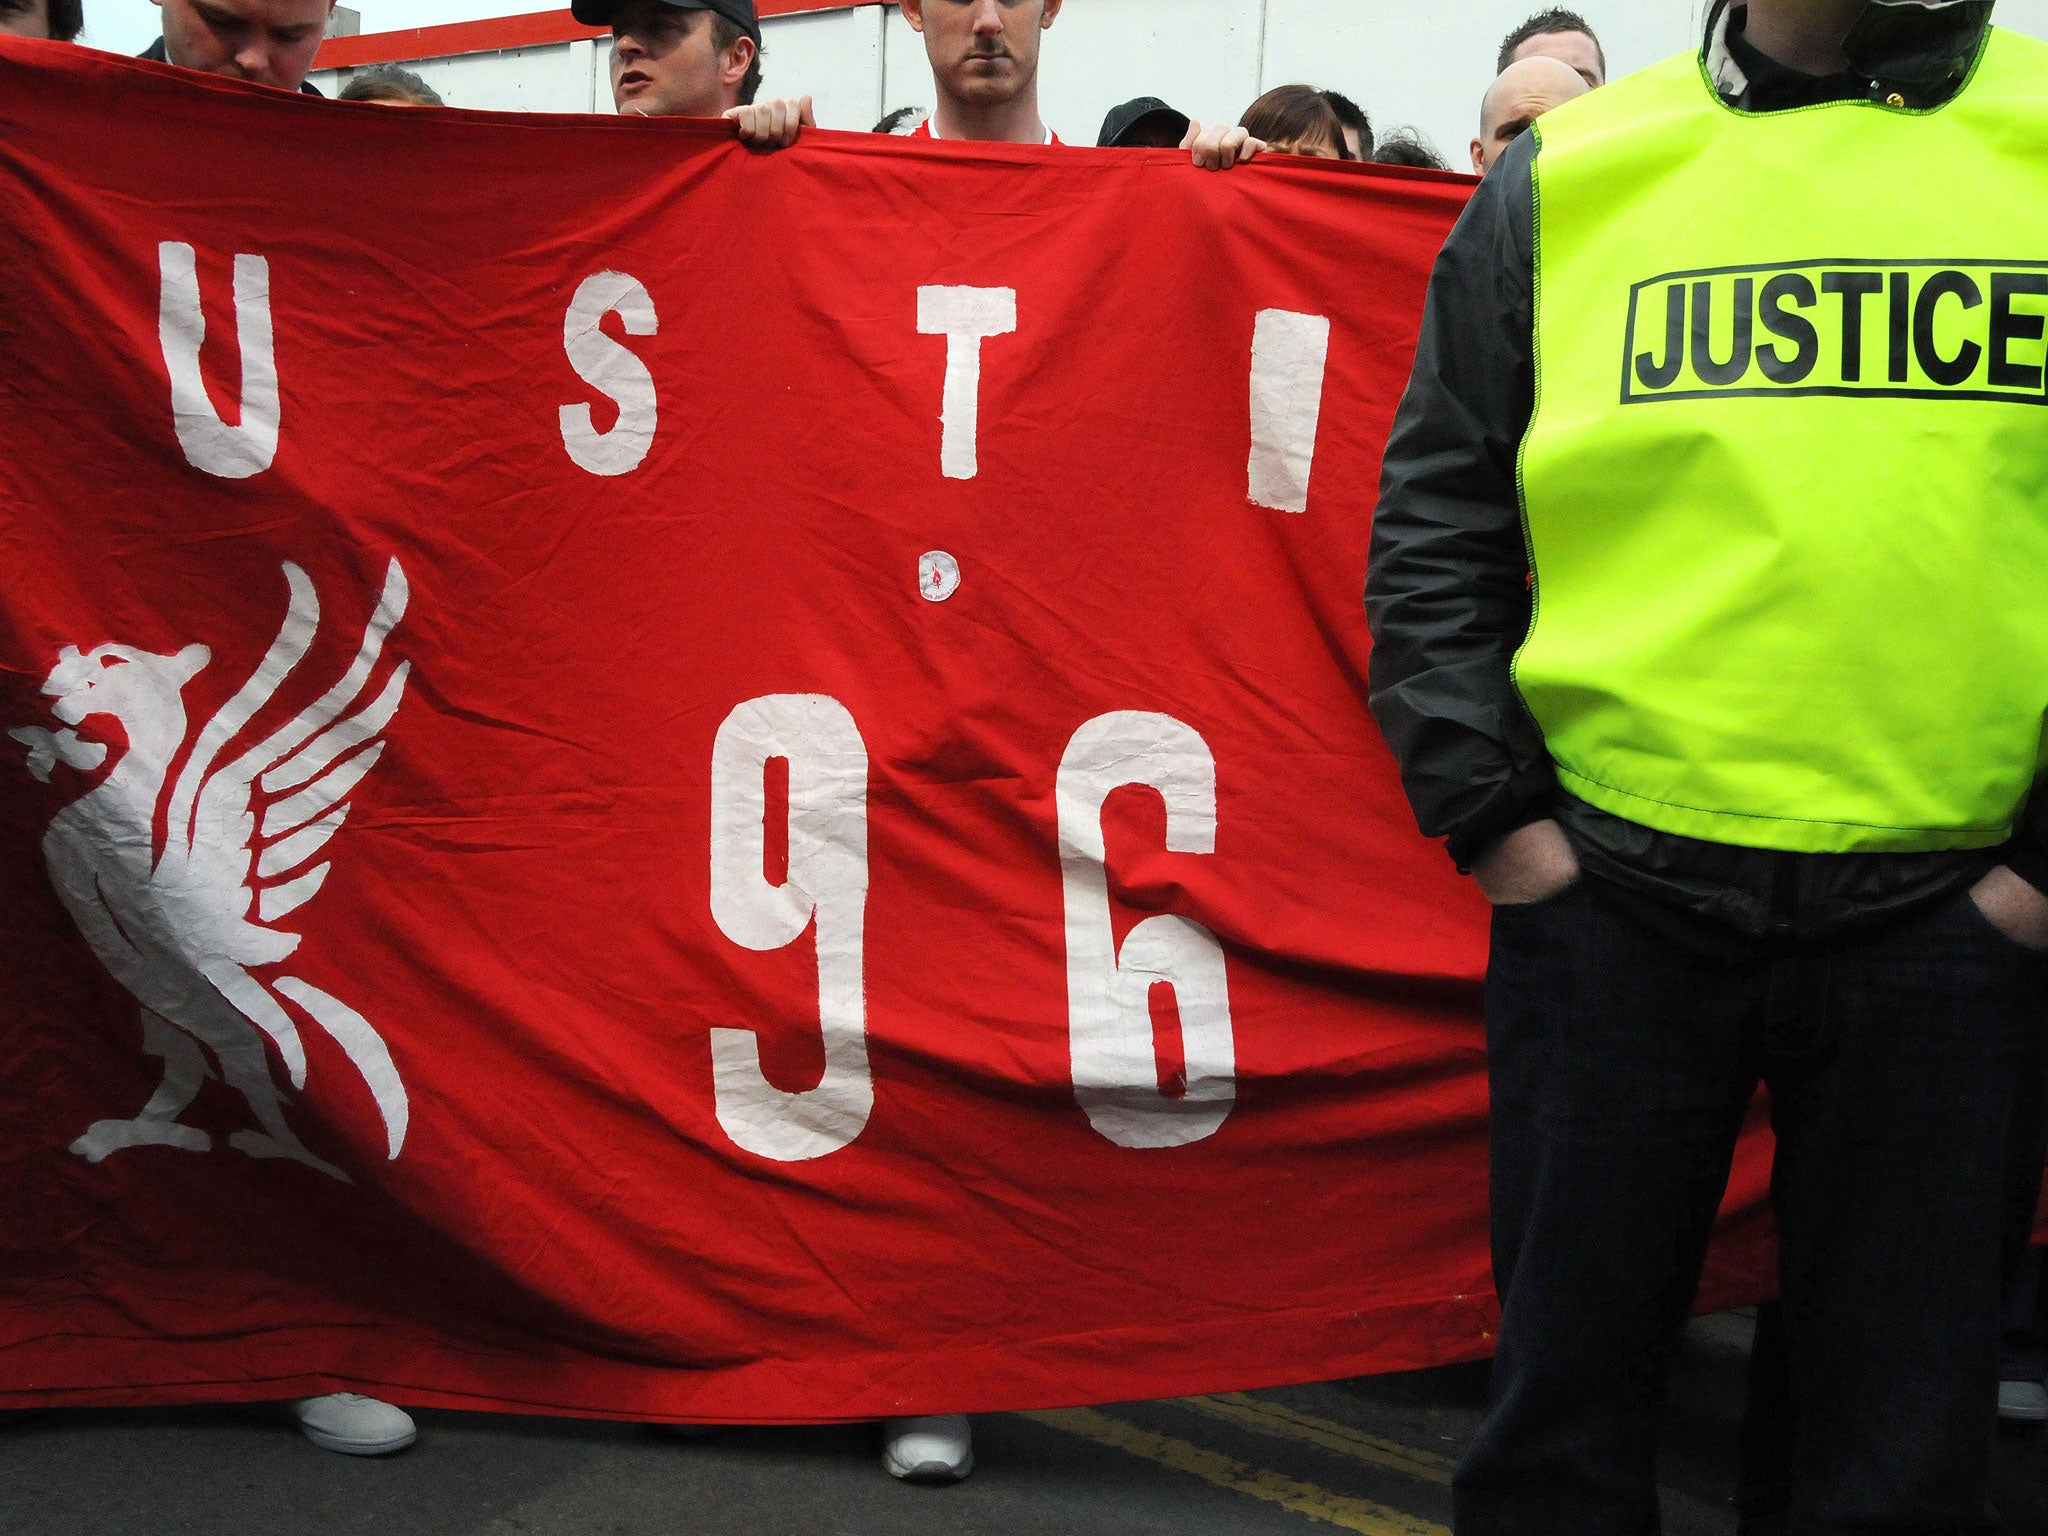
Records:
x=645, y=780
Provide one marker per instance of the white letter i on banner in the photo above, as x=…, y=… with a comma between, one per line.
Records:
x=965, y=317
x=1290, y=354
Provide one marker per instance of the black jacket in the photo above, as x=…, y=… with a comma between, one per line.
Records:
x=162, y=55
x=1448, y=592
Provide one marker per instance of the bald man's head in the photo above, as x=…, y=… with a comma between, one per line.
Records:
x=1526, y=90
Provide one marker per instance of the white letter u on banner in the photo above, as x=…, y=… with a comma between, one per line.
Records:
x=231, y=452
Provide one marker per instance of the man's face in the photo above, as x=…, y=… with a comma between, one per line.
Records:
x=25, y=18
x=666, y=62
x=982, y=51
x=271, y=42
x=1530, y=88
x=1573, y=48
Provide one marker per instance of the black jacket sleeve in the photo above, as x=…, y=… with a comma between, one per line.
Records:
x=1448, y=588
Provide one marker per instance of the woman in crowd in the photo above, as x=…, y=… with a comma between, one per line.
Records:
x=1301, y=120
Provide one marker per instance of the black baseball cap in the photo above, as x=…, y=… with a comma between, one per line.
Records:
x=1123, y=119
x=599, y=13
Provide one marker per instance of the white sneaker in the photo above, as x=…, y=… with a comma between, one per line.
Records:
x=938, y=1448
x=354, y=1425
x=2023, y=1402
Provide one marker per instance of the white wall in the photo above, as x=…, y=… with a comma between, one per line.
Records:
x=1428, y=65
x=1415, y=62
x=562, y=78
x=837, y=57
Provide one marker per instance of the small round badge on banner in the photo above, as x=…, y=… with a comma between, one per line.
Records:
x=938, y=576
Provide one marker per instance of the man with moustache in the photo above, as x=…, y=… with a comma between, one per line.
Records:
x=984, y=58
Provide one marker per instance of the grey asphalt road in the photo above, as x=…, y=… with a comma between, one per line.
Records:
x=1369, y=1456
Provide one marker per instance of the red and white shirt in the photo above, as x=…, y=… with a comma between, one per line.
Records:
x=924, y=131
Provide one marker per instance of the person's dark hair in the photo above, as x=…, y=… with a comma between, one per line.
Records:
x=65, y=18
x=1542, y=24
x=894, y=122
x=1296, y=114
x=387, y=82
x=1405, y=146
x=724, y=33
x=1352, y=116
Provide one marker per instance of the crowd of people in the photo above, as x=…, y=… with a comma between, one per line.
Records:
x=1597, y=1240
x=703, y=58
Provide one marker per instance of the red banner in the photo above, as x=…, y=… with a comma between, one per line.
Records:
x=653, y=781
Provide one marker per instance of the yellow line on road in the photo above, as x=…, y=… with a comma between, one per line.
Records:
x=1270, y=1418
x=1358, y=1515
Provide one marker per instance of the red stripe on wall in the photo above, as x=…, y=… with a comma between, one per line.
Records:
x=502, y=32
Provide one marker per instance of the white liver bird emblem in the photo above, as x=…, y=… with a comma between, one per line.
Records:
x=188, y=920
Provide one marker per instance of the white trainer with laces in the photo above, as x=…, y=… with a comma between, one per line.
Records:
x=354, y=1425
x=938, y=1448
x=2023, y=1402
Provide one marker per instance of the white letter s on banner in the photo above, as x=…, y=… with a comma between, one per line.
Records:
x=828, y=880
x=1116, y=1070
x=613, y=371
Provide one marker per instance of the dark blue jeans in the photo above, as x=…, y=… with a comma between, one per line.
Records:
x=2025, y=1357
x=1907, y=1068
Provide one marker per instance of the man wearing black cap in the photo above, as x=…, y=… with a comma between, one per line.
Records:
x=1147, y=123
x=693, y=58
x=702, y=58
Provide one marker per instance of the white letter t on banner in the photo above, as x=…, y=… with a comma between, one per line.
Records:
x=965, y=317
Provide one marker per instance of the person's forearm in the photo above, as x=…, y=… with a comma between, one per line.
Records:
x=1447, y=590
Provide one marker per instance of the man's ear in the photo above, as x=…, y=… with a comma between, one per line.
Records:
x=913, y=12
x=1052, y=13
x=738, y=60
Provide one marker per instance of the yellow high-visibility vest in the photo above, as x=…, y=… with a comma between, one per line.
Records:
x=1786, y=485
